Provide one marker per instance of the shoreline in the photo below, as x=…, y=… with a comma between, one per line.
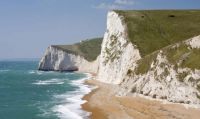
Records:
x=95, y=112
x=103, y=104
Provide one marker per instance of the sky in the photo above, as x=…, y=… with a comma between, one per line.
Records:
x=28, y=27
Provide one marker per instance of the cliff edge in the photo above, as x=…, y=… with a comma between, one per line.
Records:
x=153, y=53
x=78, y=57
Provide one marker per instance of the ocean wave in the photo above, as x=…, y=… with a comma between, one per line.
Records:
x=72, y=108
x=4, y=70
x=32, y=72
x=49, y=82
x=69, y=73
x=36, y=72
x=70, y=111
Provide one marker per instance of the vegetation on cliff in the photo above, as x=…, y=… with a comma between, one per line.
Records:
x=154, y=30
x=180, y=55
x=151, y=30
x=89, y=49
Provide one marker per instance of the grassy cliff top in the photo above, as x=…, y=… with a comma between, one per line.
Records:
x=151, y=30
x=89, y=49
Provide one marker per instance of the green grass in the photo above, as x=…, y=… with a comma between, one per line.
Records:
x=177, y=53
x=144, y=64
x=151, y=30
x=89, y=49
x=184, y=55
x=193, y=60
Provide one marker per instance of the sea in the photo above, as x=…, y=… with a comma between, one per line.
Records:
x=26, y=93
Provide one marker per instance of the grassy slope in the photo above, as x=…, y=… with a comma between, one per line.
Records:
x=184, y=55
x=152, y=30
x=155, y=29
x=180, y=56
x=89, y=49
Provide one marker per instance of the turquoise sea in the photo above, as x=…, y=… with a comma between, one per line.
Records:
x=26, y=93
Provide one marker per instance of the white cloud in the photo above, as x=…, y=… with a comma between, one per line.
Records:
x=124, y=2
x=107, y=6
x=116, y=4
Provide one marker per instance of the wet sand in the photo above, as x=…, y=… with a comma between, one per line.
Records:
x=103, y=104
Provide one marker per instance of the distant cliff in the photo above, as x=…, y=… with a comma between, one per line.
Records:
x=153, y=53
x=78, y=57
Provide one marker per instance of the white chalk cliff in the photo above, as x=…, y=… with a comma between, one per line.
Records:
x=56, y=59
x=118, y=62
x=117, y=54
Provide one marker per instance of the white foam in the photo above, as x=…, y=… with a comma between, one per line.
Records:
x=49, y=82
x=40, y=72
x=36, y=72
x=31, y=72
x=72, y=108
x=4, y=70
x=64, y=112
x=69, y=73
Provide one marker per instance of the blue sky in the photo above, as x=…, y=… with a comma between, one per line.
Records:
x=28, y=27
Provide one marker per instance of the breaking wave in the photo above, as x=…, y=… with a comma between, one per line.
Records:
x=49, y=82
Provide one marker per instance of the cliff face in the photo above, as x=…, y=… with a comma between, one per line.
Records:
x=58, y=60
x=164, y=74
x=117, y=54
x=142, y=56
x=164, y=81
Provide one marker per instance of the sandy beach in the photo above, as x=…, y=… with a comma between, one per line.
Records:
x=103, y=104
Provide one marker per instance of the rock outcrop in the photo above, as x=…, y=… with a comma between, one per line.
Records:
x=170, y=72
x=119, y=63
x=163, y=81
x=58, y=60
x=117, y=54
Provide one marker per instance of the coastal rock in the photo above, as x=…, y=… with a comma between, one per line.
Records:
x=194, y=42
x=58, y=60
x=118, y=64
x=117, y=54
x=165, y=73
x=164, y=84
